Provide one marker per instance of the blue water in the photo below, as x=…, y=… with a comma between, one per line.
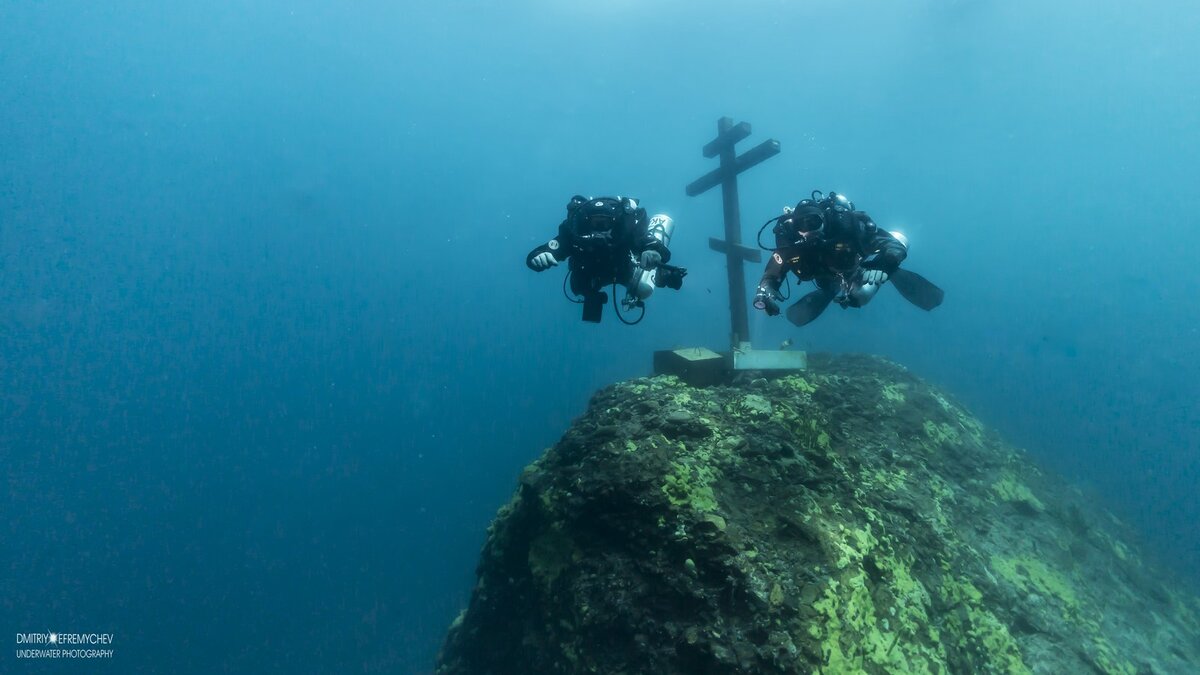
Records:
x=270, y=359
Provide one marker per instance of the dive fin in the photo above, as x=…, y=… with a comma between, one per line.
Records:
x=917, y=289
x=809, y=307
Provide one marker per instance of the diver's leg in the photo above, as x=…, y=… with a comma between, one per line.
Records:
x=594, y=297
x=830, y=284
x=917, y=289
x=809, y=307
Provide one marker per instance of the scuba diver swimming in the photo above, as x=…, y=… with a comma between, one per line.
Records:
x=825, y=240
x=609, y=241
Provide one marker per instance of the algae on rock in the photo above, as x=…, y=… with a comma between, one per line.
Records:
x=850, y=520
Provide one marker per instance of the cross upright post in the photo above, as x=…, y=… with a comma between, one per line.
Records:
x=728, y=134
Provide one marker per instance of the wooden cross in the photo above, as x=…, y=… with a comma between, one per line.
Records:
x=728, y=134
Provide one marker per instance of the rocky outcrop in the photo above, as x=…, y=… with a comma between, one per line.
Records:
x=852, y=519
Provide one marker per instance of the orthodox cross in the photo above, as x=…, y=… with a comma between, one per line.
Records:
x=732, y=164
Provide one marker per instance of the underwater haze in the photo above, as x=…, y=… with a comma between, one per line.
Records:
x=270, y=357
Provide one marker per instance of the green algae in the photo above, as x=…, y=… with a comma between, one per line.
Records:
x=690, y=486
x=549, y=555
x=894, y=393
x=785, y=526
x=1030, y=574
x=1010, y=489
x=977, y=632
x=941, y=433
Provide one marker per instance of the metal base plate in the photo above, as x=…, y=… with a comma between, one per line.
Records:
x=769, y=359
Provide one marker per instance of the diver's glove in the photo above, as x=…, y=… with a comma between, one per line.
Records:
x=874, y=277
x=651, y=259
x=766, y=300
x=544, y=261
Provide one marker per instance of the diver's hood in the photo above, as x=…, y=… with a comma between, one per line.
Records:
x=597, y=215
x=807, y=218
x=841, y=224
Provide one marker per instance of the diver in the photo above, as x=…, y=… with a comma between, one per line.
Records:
x=610, y=241
x=824, y=239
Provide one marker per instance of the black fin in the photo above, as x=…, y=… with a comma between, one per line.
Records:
x=917, y=289
x=809, y=307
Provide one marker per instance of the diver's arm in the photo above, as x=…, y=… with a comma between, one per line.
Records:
x=559, y=248
x=880, y=249
x=778, y=266
x=767, y=293
x=766, y=296
x=651, y=238
x=886, y=253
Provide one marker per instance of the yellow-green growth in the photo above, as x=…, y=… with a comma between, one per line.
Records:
x=978, y=632
x=855, y=635
x=849, y=545
x=1010, y=489
x=969, y=425
x=691, y=486
x=799, y=383
x=776, y=596
x=682, y=398
x=1107, y=660
x=944, y=504
x=946, y=405
x=894, y=393
x=549, y=554
x=910, y=599
x=1032, y=575
x=891, y=480
x=940, y=432
x=752, y=405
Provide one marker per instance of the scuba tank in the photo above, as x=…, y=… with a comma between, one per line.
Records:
x=661, y=227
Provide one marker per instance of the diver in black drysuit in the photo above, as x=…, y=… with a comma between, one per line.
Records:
x=610, y=240
x=825, y=240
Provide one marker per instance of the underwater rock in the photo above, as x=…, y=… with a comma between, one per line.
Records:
x=851, y=519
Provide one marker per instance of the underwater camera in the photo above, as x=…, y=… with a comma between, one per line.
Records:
x=669, y=276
